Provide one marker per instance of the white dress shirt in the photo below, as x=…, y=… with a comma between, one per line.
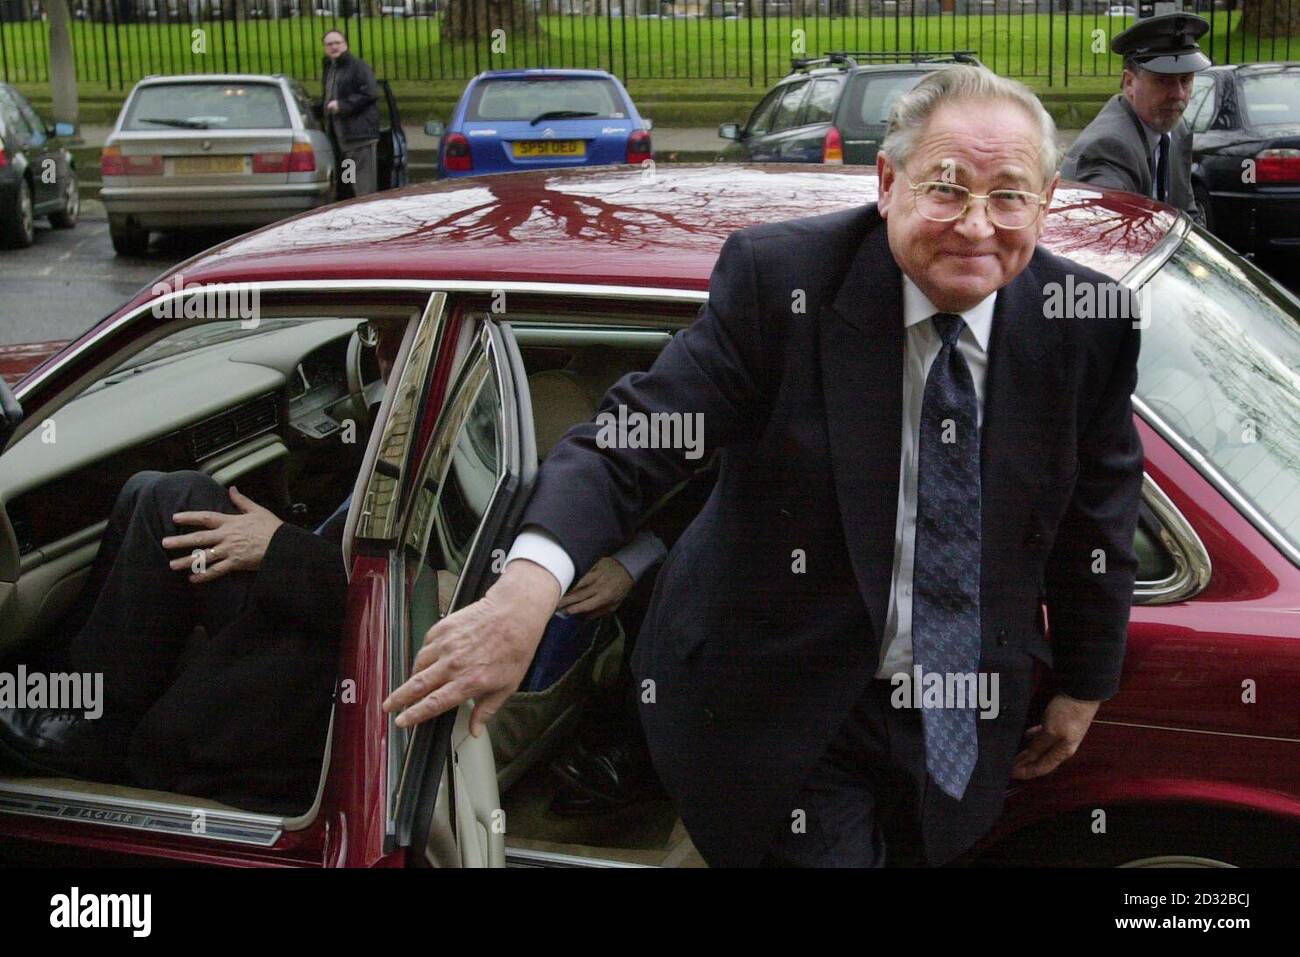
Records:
x=921, y=346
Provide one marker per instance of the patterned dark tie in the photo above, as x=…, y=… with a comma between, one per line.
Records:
x=946, y=582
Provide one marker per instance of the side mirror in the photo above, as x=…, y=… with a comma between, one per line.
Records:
x=434, y=128
x=64, y=129
x=729, y=131
x=648, y=123
x=11, y=413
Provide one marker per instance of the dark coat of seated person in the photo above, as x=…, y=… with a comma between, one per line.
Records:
x=239, y=715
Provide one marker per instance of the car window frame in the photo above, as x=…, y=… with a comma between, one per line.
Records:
x=800, y=87
x=766, y=104
x=838, y=83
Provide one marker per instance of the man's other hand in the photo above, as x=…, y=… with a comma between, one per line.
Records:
x=229, y=542
x=600, y=591
x=480, y=652
x=332, y=106
x=1065, y=721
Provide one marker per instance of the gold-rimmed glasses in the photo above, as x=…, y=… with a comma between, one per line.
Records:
x=946, y=202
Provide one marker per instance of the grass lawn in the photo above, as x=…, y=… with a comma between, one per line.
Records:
x=725, y=56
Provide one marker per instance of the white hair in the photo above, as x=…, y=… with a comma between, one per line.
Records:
x=962, y=83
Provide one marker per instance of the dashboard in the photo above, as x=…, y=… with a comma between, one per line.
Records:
x=223, y=408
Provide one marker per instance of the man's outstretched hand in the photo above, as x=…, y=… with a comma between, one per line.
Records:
x=480, y=652
x=229, y=543
x=1065, y=722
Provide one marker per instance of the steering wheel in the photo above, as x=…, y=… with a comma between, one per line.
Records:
x=364, y=395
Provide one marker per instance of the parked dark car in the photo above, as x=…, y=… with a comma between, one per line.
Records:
x=1245, y=122
x=38, y=176
x=600, y=274
x=831, y=109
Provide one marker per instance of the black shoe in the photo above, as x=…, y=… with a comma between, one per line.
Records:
x=61, y=743
x=602, y=778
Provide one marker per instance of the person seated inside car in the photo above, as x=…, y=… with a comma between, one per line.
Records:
x=216, y=627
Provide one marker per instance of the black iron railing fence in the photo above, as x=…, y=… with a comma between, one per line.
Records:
x=115, y=42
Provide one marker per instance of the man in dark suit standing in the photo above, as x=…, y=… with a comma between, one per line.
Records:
x=1139, y=142
x=916, y=451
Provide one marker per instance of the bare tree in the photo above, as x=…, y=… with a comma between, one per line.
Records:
x=63, y=70
x=476, y=19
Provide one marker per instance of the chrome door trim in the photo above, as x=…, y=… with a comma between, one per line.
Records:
x=582, y=290
x=1150, y=264
x=525, y=857
x=236, y=827
x=1192, y=567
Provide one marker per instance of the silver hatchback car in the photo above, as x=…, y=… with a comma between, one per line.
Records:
x=212, y=150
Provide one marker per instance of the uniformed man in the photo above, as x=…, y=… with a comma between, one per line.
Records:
x=1139, y=141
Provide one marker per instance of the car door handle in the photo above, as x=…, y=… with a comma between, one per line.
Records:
x=860, y=142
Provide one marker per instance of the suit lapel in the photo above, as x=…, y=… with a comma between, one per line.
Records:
x=1020, y=402
x=862, y=361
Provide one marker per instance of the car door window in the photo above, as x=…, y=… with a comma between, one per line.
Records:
x=821, y=101
x=1200, y=109
x=34, y=123
x=14, y=123
x=466, y=490
x=760, y=121
x=788, y=110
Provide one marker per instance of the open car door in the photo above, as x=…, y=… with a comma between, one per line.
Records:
x=465, y=500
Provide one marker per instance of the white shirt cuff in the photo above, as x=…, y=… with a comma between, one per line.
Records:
x=538, y=545
x=640, y=554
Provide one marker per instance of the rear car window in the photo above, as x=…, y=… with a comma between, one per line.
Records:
x=1273, y=98
x=871, y=97
x=510, y=99
x=217, y=106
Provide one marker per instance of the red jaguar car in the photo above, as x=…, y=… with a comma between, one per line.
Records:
x=525, y=297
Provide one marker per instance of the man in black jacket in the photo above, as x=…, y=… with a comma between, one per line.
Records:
x=351, y=112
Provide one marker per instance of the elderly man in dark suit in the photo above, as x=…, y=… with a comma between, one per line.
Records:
x=1139, y=142
x=915, y=454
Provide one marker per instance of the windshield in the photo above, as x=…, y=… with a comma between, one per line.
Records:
x=1220, y=364
x=203, y=106
x=1272, y=99
x=552, y=98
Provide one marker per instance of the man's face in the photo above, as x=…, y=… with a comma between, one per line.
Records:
x=1158, y=98
x=335, y=45
x=982, y=145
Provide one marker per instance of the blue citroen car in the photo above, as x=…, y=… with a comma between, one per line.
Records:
x=512, y=120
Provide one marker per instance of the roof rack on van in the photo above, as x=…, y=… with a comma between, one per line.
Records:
x=853, y=58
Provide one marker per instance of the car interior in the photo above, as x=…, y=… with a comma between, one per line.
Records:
x=281, y=405
x=272, y=407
